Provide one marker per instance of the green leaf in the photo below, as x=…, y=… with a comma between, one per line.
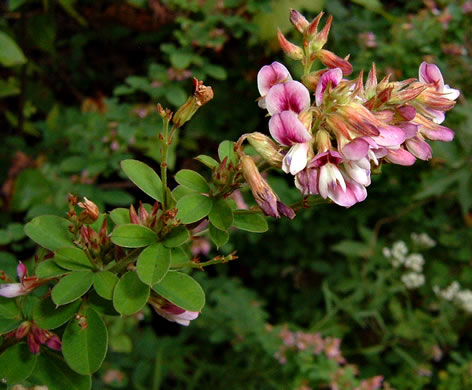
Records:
x=144, y=177
x=120, y=216
x=50, y=231
x=221, y=215
x=53, y=372
x=192, y=180
x=182, y=290
x=180, y=191
x=351, y=248
x=133, y=236
x=207, y=160
x=74, y=259
x=178, y=256
x=101, y=305
x=72, y=287
x=219, y=237
x=10, y=54
x=16, y=364
x=193, y=207
x=49, y=269
x=153, y=264
x=226, y=149
x=49, y=316
x=250, y=222
x=84, y=348
x=9, y=325
x=217, y=72
x=176, y=237
x=8, y=308
x=180, y=60
x=130, y=294
x=175, y=95
x=105, y=283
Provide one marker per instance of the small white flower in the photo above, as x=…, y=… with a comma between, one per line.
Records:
x=399, y=250
x=412, y=280
x=415, y=262
x=387, y=252
x=423, y=240
x=464, y=299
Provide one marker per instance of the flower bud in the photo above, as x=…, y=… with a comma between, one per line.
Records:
x=298, y=20
x=23, y=330
x=266, y=148
x=319, y=38
x=263, y=194
x=293, y=51
x=202, y=95
x=313, y=27
x=331, y=60
x=90, y=213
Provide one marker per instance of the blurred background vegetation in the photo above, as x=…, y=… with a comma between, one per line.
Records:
x=79, y=83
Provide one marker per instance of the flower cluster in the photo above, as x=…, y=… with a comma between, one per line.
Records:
x=413, y=263
x=331, y=143
x=453, y=293
x=36, y=336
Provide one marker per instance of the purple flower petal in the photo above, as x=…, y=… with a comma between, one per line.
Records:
x=333, y=76
x=353, y=194
x=307, y=181
x=292, y=95
x=390, y=136
x=272, y=74
x=438, y=133
x=11, y=290
x=430, y=74
x=356, y=149
x=287, y=129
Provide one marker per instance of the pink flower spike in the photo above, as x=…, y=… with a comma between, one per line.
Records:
x=287, y=129
x=272, y=74
x=333, y=76
x=12, y=290
x=21, y=271
x=292, y=95
x=296, y=159
x=400, y=157
x=419, y=148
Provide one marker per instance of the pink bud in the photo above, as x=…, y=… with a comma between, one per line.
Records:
x=21, y=271
x=293, y=51
x=298, y=20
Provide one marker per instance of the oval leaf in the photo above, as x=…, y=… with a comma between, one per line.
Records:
x=53, y=372
x=226, y=149
x=219, y=237
x=250, y=222
x=178, y=256
x=130, y=294
x=50, y=231
x=49, y=269
x=182, y=290
x=176, y=237
x=48, y=316
x=153, y=264
x=192, y=180
x=16, y=364
x=193, y=207
x=120, y=216
x=133, y=236
x=11, y=54
x=144, y=177
x=210, y=162
x=8, y=308
x=72, y=287
x=74, y=259
x=85, y=347
x=221, y=215
x=105, y=283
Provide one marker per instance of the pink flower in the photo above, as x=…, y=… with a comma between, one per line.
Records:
x=292, y=95
x=11, y=290
x=430, y=74
x=332, y=77
x=268, y=76
x=174, y=313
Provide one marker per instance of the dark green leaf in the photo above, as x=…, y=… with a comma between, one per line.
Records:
x=73, y=258
x=207, y=160
x=153, y=263
x=50, y=231
x=176, y=237
x=49, y=316
x=9, y=325
x=182, y=290
x=120, y=216
x=144, y=177
x=180, y=191
x=10, y=54
x=219, y=237
x=226, y=149
x=130, y=294
x=178, y=256
x=250, y=222
x=133, y=236
x=85, y=347
x=221, y=215
x=72, y=287
x=192, y=180
x=49, y=269
x=8, y=308
x=16, y=364
x=193, y=207
x=105, y=283
x=53, y=372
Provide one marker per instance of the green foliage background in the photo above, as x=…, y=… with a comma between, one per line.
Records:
x=79, y=83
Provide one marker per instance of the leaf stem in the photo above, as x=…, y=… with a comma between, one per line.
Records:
x=124, y=262
x=164, y=152
x=215, y=260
